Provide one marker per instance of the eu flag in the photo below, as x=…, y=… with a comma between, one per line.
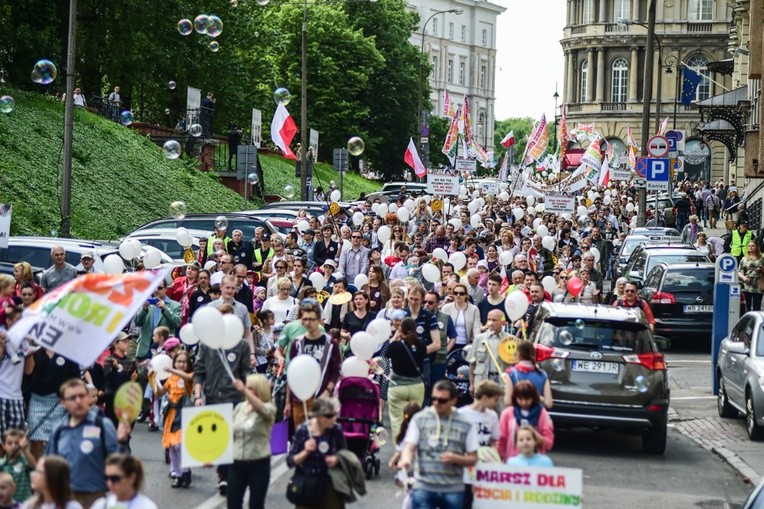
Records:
x=690, y=82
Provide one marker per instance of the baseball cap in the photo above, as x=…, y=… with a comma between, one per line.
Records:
x=309, y=231
x=87, y=254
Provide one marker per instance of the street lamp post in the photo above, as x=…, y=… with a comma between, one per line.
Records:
x=306, y=173
x=670, y=64
x=554, y=139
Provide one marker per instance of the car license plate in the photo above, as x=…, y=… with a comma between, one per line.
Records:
x=610, y=368
x=697, y=308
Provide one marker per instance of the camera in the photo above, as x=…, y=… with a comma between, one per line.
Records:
x=153, y=301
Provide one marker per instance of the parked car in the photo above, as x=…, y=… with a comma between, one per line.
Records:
x=653, y=231
x=313, y=208
x=605, y=369
x=756, y=498
x=681, y=296
x=164, y=239
x=247, y=223
x=628, y=246
x=740, y=373
x=272, y=213
x=647, y=256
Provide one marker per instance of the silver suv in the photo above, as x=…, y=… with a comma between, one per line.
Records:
x=604, y=368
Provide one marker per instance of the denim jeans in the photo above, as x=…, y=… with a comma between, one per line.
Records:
x=423, y=499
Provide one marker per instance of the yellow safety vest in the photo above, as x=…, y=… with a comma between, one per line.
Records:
x=737, y=245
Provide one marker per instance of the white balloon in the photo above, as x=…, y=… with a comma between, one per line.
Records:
x=504, y=196
x=596, y=253
x=113, y=264
x=607, y=200
x=531, y=210
x=374, y=207
x=126, y=250
x=440, y=254
x=518, y=213
x=455, y=222
x=318, y=280
x=302, y=226
x=566, y=216
x=473, y=206
x=304, y=376
x=392, y=208
x=360, y=280
x=358, y=218
x=187, y=334
x=548, y=242
x=542, y=230
x=336, y=195
x=574, y=234
x=462, y=191
x=363, y=345
x=380, y=329
x=549, y=284
x=581, y=210
x=431, y=273
x=382, y=210
x=530, y=200
x=160, y=363
x=233, y=331
x=475, y=220
x=516, y=304
x=503, y=186
x=537, y=222
x=183, y=237
x=209, y=265
x=629, y=207
x=209, y=326
x=383, y=234
x=410, y=204
x=481, y=202
x=137, y=247
x=458, y=260
x=403, y=214
x=475, y=194
x=353, y=366
x=505, y=258
x=152, y=259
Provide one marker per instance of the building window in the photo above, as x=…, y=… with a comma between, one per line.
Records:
x=435, y=69
x=451, y=31
x=586, y=12
x=434, y=26
x=621, y=10
x=484, y=37
x=483, y=76
x=464, y=33
x=462, y=72
x=698, y=64
x=582, y=82
x=450, y=71
x=700, y=10
x=619, y=81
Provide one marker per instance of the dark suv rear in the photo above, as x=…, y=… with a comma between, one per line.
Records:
x=681, y=296
x=604, y=368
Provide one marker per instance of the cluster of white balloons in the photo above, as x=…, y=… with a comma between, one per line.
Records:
x=213, y=329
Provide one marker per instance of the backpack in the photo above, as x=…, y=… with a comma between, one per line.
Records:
x=98, y=422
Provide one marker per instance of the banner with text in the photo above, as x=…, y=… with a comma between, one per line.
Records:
x=442, y=184
x=497, y=486
x=81, y=318
x=463, y=165
x=559, y=204
x=5, y=224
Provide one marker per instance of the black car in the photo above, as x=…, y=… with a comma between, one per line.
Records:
x=681, y=296
x=647, y=256
x=236, y=221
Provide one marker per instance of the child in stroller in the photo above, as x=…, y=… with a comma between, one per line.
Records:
x=360, y=418
x=458, y=372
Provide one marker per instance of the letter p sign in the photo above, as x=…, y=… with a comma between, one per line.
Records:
x=658, y=170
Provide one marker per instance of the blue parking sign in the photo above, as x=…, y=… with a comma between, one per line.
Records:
x=658, y=170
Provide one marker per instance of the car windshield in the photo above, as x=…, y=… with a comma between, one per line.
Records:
x=630, y=244
x=595, y=335
x=688, y=280
x=674, y=258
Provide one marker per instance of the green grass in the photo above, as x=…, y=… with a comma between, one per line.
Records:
x=120, y=180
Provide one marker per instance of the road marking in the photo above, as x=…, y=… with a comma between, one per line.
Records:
x=692, y=397
x=216, y=501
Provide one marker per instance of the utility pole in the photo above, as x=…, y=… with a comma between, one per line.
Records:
x=66, y=183
x=306, y=177
x=647, y=96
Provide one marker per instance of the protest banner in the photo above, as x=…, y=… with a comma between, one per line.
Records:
x=465, y=165
x=207, y=433
x=442, y=184
x=497, y=486
x=81, y=318
x=491, y=187
x=559, y=204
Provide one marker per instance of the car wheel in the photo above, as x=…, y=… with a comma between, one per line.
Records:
x=755, y=431
x=654, y=439
x=723, y=403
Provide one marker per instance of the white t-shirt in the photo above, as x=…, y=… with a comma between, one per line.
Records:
x=12, y=374
x=279, y=307
x=139, y=501
x=486, y=426
x=72, y=504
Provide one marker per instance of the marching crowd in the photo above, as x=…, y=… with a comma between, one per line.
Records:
x=439, y=271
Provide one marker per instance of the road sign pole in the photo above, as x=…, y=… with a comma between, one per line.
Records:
x=726, y=308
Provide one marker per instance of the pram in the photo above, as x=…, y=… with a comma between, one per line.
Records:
x=457, y=370
x=359, y=418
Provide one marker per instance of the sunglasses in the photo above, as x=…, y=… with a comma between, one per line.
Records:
x=355, y=237
x=555, y=273
x=440, y=401
x=329, y=416
x=430, y=302
x=630, y=291
x=112, y=478
x=460, y=293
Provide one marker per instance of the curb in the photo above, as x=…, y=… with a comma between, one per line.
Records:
x=738, y=464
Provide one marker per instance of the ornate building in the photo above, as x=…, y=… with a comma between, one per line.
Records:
x=604, y=45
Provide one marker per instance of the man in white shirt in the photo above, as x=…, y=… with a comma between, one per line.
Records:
x=225, y=267
x=400, y=270
x=355, y=260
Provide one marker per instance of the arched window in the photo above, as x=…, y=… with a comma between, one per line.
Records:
x=583, y=81
x=700, y=10
x=621, y=10
x=698, y=64
x=619, y=81
x=586, y=12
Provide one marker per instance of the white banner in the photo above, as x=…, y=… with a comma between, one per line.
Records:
x=463, y=165
x=618, y=174
x=559, y=204
x=5, y=224
x=207, y=433
x=491, y=188
x=257, y=127
x=498, y=486
x=314, y=143
x=193, y=104
x=442, y=184
x=81, y=318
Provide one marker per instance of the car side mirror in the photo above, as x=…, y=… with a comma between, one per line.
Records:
x=662, y=343
x=738, y=347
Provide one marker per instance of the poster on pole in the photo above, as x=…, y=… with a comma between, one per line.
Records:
x=498, y=486
x=193, y=105
x=314, y=144
x=559, y=204
x=5, y=224
x=463, y=165
x=257, y=127
x=207, y=433
x=442, y=184
x=491, y=187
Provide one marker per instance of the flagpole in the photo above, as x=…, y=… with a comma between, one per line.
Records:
x=706, y=77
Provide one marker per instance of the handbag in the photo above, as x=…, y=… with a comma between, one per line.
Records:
x=306, y=491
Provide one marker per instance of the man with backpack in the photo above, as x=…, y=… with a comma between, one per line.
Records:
x=713, y=205
x=630, y=300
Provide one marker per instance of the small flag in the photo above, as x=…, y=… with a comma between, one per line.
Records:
x=592, y=157
x=283, y=130
x=448, y=109
x=662, y=127
x=466, y=121
x=604, y=175
x=509, y=139
x=537, y=142
x=450, y=145
x=690, y=82
x=411, y=157
x=563, y=134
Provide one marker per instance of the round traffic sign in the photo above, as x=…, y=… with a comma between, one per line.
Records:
x=657, y=146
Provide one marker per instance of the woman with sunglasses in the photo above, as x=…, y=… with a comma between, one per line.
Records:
x=124, y=477
x=298, y=277
x=52, y=486
x=377, y=289
x=280, y=272
x=466, y=317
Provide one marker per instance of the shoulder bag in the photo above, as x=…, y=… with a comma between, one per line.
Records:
x=305, y=490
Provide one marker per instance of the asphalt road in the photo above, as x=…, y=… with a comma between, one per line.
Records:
x=616, y=472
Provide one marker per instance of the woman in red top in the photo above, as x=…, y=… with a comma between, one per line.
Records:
x=182, y=288
x=22, y=273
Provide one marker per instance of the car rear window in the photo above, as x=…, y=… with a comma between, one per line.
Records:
x=674, y=258
x=594, y=335
x=688, y=280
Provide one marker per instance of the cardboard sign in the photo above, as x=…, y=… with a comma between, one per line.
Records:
x=620, y=174
x=207, y=435
x=559, y=204
x=497, y=486
x=442, y=184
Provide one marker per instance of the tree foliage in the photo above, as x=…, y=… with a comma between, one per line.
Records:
x=522, y=128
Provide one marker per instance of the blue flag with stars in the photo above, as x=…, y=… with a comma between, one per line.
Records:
x=690, y=82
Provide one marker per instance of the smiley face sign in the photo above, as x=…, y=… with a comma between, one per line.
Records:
x=507, y=349
x=207, y=435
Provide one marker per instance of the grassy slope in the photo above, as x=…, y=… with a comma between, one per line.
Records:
x=119, y=180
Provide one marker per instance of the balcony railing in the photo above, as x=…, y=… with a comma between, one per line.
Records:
x=613, y=106
x=574, y=107
x=695, y=27
x=616, y=28
x=578, y=30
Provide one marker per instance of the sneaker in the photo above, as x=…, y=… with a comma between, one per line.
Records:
x=143, y=416
x=153, y=427
x=177, y=482
x=186, y=479
x=222, y=488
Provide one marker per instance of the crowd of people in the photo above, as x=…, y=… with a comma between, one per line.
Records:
x=310, y=293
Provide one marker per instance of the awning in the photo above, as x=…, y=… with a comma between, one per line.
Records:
x=726, y=66
x=728, y=99
x=717, y=125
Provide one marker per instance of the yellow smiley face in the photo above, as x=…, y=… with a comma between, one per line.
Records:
x=507, y=350
x=207, y=437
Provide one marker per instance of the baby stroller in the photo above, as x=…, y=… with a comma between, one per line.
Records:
x=359, y=417
x=458, y=371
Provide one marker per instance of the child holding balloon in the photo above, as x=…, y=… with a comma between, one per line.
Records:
x=178, y=388
x=118, y=369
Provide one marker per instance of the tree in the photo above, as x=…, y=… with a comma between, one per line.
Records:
x=438, y=131
x=522, y=128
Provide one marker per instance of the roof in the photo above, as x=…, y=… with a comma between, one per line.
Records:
x=725, y=66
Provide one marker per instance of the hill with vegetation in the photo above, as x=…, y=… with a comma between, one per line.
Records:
x=120, y=180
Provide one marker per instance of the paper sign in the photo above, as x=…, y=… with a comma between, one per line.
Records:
x=81, y=318
x=442, y=184
x=491, y=188
x=620, y=174
x=466, y=165
x=5, y=224
x=207, y=435
x=559, y=204
x=497, y=486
